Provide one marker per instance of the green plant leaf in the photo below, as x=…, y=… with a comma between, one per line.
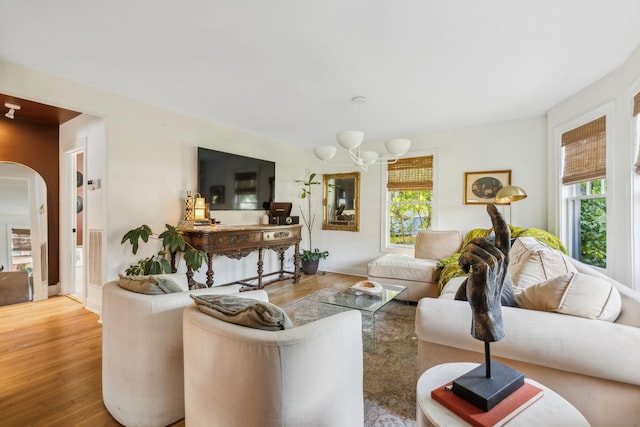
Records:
x=194, y=258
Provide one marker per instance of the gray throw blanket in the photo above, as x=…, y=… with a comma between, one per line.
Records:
x=244, y=311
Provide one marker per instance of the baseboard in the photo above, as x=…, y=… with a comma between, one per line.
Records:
x=53, y=290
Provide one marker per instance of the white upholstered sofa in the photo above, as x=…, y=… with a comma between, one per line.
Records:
x=594, y=364
x=142, y=357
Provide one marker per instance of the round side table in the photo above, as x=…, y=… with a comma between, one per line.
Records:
x=550, y=410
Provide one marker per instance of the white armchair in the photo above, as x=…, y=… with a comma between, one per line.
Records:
x=142, y=362
x=311, y=375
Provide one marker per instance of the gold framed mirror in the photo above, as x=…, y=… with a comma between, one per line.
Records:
x=341, y=201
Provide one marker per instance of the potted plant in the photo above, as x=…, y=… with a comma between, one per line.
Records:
x=162, y=262
x=309, y=258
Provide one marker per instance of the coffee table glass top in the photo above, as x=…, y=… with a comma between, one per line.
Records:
x=364, y=302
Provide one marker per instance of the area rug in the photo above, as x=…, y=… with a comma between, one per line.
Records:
x=391, y=372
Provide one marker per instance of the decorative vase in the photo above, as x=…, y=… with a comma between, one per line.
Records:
x=309, y=267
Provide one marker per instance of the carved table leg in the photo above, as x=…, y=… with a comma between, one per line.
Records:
x=174, y=269
x=281, y=257
x=209, y=269
x=296, y=263
x=260, y=267
x=190, y=281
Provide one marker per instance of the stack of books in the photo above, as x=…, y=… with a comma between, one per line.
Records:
x=499, y=415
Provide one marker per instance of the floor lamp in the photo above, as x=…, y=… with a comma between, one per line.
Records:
x=509, y=194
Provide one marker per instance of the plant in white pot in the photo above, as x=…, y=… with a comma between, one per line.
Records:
x=309, y=258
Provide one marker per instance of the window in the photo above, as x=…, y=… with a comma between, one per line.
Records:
x=409, y=195
x=21, y=259
x=584, y=178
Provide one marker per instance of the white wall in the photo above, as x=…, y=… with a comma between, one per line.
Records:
x=616, y=90
x=150, y=163
x=519, y=146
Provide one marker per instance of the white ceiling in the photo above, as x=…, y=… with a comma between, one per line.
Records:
x=287, y=69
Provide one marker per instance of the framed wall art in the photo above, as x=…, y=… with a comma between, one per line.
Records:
x=482, y=187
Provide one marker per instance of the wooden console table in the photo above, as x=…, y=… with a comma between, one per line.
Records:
x=239, y=241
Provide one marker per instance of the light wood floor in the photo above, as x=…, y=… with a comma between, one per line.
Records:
x=51, y=355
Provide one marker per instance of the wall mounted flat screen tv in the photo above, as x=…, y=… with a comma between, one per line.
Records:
x=233, y=182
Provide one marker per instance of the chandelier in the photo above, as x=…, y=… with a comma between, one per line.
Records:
x=351, y=140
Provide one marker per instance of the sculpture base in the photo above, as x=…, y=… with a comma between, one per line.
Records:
x=483, y=392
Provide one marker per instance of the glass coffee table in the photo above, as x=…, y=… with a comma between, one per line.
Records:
x=368, y=305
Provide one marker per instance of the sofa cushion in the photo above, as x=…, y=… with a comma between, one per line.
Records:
x=149, y=285
x=437, y=244
x=451, y=288
x=576, y=294
x=244, y=311
x=403, y=267
x=532, y=262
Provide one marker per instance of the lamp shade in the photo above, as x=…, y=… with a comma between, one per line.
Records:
x=350, y=139
x=369, y=157
x=397, y=146
x=324, y=152
x=199, y=210
x=510, y=193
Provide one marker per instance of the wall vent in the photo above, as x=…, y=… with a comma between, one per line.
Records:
x=95, y=257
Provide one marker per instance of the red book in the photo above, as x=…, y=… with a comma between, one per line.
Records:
x=508, y=408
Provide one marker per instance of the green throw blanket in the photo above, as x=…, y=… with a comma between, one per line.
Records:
x=448, y=267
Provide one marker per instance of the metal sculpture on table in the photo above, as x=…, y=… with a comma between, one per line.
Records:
x=487, y=288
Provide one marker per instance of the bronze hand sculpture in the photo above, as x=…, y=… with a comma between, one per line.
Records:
x=488, y=286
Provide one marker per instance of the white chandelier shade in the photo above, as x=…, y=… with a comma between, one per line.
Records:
x=397, y=146
x=351, y=140
x=324, y=152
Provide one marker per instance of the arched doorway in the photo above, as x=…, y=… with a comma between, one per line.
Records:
x=23, y=234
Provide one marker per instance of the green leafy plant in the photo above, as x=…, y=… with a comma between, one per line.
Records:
x=172, y=243
x=309, y=255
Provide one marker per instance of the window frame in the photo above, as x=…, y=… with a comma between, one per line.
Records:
x=385, y=245
x=564, y=211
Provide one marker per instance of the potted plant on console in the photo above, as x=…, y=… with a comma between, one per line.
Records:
x=309, y=258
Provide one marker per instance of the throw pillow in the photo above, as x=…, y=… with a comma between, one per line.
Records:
x=244, y=311
x=576, y=294
x=437, y=244
x=532, y=262
x=149, y=285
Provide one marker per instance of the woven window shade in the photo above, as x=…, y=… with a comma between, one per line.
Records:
x=636, y=112
x=585, y=152
x=410, y=174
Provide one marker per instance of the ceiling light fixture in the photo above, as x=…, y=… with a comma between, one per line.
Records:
x=351, y=140
x=12, y=109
